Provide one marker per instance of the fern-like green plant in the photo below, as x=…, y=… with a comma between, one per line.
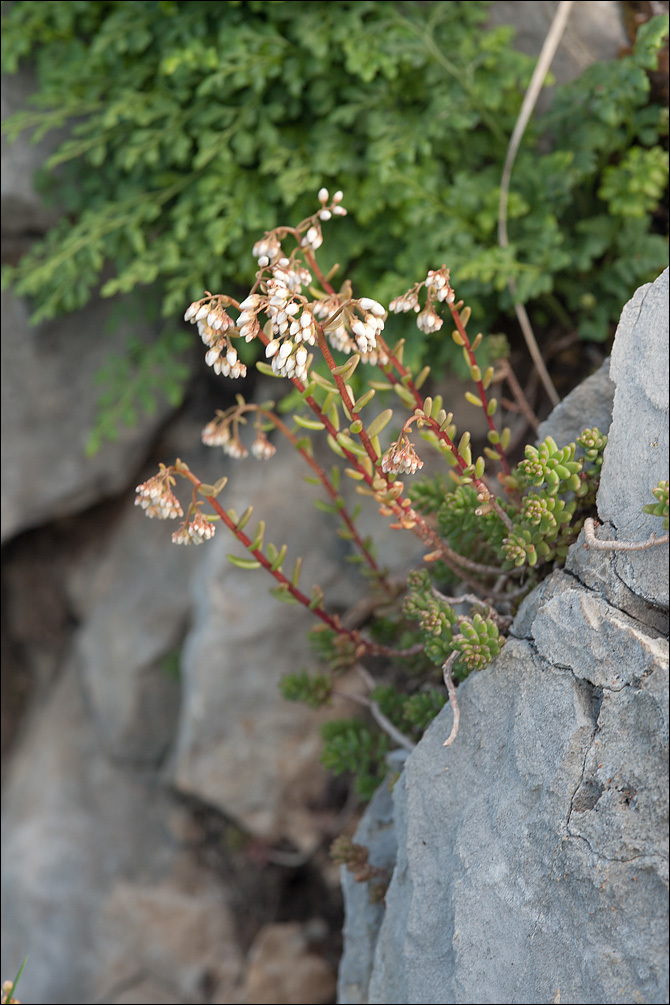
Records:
x=193, y=123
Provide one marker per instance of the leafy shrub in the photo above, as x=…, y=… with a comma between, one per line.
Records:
x=194, y=123
x=497, y=543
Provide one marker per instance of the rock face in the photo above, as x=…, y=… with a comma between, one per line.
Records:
x=49, y=393
x=159, y=796
x=532, y=855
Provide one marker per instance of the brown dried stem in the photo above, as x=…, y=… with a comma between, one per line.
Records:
x=451, y=691
x=592, y=542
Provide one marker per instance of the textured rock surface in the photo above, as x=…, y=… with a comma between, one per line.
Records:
x=590, y=403
x=593, y=31
x=365, y=912
x=49, y=396
x=49, y=405
x=637, y=451
x=281, y=967
x=532, y=855
x=96, y=889
x=23, y=211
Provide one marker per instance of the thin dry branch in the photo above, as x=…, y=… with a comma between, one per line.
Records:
x=451, y=691
x=544, y=62
x=592, y=542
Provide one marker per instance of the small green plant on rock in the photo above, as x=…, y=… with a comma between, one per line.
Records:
x=491, y=527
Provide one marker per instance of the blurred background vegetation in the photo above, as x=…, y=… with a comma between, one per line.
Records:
x=192, y=127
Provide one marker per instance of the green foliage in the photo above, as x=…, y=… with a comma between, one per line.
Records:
x=350, y=745
x=144, y=373
x=478, y=642
x=9, y=987
x=360, y=748
x=314, y=690
x=477, y=639
x=660, y=507
x=193, y=124
x=479, y=537
x=411, y=713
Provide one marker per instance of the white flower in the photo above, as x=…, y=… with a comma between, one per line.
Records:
x=428, y=320
x=401, y=458
x=261, y=448
x=157, y=498
x=367, y=304
x=313, y=239
x=407, y=302
x=253, y=300
x=194, y=531
x=215, y=434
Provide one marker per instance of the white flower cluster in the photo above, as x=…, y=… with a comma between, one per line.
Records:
x=213, y=324
x=261, y=448
x=365, y=332
x=218, y=433
x=288, y=275
x=248, y=324
x=313, y=238
x=234, y=447
x=266, y=250
x=336, y=209
x=215, y=433
x=439, y=280
x=157, y=498
x=401, y=458
x=288, y=359
x=224, y=360
x=194, y=531
x=407, y=302
x=375, y=358
x=429, y=320
x=338, y=336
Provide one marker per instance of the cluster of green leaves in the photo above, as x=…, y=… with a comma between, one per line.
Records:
x=660, y=507
x=476, y=639
x=192, y=124
x=551, y=492
x=355, y=746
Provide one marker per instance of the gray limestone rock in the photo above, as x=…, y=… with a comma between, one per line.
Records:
x=23, y=210
x=365, y=911
x=592, y=399
x=95, y=886
x=637, y=450
x=532, y=855
x=49, y=405
x=594, y=31
x=532, y=858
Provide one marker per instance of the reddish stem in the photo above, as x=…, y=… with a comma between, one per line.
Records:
x=480, y=386
x=335, y=496
x=332, y=621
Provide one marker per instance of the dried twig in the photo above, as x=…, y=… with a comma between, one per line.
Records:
x=592, y=542
x=382, y=720
x=534, y=88
x=520, y=398
x=451, y=691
